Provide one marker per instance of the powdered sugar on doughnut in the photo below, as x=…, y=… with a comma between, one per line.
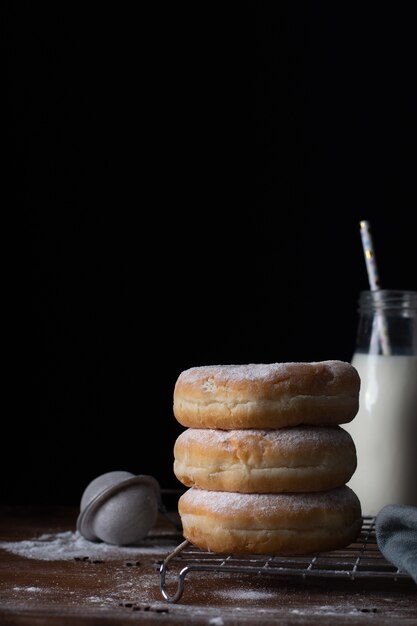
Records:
x=267, y=395
x=287, y=439
x=265, y=372
x=225, y=503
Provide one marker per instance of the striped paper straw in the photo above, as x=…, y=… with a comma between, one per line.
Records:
x=373, y=277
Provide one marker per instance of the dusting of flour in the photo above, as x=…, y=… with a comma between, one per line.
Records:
x=69, y=545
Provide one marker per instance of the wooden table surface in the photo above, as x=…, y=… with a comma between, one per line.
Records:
x=123, y=586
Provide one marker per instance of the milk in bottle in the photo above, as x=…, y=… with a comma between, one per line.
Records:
x=385, y=428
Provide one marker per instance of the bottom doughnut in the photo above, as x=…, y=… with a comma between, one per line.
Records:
x=288, y=523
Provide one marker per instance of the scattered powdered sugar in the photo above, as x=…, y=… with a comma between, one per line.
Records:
x=246, y=594
x=98, y=599
x=30, y=589
x=71, y=545
x=324, y=610
x=216, y=621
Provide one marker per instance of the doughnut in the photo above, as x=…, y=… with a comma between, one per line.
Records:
x=297, y=459
x=266, y=523
x=274, y=395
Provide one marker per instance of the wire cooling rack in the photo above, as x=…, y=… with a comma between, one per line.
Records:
x=361, y=559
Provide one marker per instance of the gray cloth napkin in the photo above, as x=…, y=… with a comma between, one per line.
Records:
x=396, y=535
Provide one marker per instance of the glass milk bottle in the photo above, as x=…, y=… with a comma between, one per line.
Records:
x=385, y=428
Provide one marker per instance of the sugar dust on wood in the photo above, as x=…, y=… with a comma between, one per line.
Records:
x=70, y=545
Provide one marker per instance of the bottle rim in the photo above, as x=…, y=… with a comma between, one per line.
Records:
x=387, y=299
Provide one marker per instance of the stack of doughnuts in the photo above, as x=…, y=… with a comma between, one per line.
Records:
x=265, y=458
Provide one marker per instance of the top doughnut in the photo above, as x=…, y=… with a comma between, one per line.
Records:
x=273, y=395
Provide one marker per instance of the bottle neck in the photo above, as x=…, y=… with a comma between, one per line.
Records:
x=396, y=301
x=387, y=323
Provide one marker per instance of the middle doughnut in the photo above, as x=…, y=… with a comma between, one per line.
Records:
x=295, y=459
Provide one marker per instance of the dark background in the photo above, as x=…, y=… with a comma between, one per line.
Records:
x=187, y=181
